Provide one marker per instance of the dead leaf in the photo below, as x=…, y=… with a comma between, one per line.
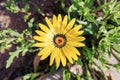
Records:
x=109, y=77
x=36, y=62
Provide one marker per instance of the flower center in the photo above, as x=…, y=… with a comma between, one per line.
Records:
x=59, y=40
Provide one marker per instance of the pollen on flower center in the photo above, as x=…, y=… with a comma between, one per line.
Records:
x=59, y=40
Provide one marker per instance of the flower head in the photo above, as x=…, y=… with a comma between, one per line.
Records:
x=59, y=40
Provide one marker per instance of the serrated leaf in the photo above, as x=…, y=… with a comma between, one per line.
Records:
x=24, y=51
x=30, y=23
x=13, y=33
x=26, y=17
x=12, y=56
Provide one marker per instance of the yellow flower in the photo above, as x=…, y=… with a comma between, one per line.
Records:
x=59, y=39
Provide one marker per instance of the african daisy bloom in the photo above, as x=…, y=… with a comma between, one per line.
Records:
x=59, y=40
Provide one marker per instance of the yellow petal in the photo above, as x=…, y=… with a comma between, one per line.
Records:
x=72, y=53
x=41, y=44
x=55, y=22
x=75, y=43
x=44, y=28
x=70, y=25
x=78, y=27
x=57, y=59
x=47, y=38
x=44, y=56
x=74, y=32
x=73, y=38
x=46, y=50
x=49, y=23
x=59, y=27
x=81, y=38
x=63, y=58
x=49, y=35
x=39, y=38
x=80, y=32
x=73, y=50
x=53, y=55
x=40, y=32
x=74, y=56
x=67, y=52
x=64, y=24
x=59, y=18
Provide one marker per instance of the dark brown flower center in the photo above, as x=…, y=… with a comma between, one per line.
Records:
x=59, y=40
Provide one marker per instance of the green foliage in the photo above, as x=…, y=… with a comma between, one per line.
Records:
x=116, y=47
x=78, y=77
x=22, y=49
x=26, y=17
x=101, y=24
x=6, y=38
x=11, y=6
x=23, y=41
x=79, y=62
x=26, y=8
x=9, y=37
x=66, y=75
x=30, y=76
x=38, y=10
x=117, y=66
x=52, y=69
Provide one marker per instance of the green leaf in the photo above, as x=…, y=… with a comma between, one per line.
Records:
x=12, y=56
x=78, y=77
x=13, y=33
x=117, y=66
x=30, y=23
x=89, y=3
x=91, y=28
x=26, y=17
x=25, y=47
x=52, y=69
x=26, y=8
x=11, y=6
x=115, y=54
x=117, y=47
x=66, y=75
x=30, y=76
x=79, y=62
x=89, y=54
x=22, y=49
x=37, y=8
